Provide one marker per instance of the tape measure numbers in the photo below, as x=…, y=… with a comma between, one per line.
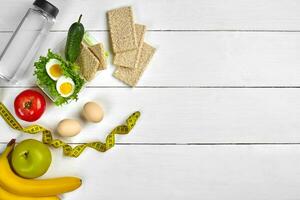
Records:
x=67, y=149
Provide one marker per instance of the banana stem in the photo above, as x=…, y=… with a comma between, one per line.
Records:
x=10, y=146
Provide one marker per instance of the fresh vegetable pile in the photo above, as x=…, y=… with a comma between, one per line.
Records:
x=62, y=79
x=64, y=84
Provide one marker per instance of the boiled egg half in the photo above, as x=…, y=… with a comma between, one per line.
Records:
x=53, y=68
x=65, y=86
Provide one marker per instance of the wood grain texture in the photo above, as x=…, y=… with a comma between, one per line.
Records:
x=182, y=115
x=184, y=172
x=166, y=15
x=206, y=59
x=209, y=128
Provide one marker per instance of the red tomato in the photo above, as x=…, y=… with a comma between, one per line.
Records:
x=30, y=105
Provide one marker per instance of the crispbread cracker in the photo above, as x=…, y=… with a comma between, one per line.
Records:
x=122, y=30
x=99, y=51
x=88, y=63
x=130, y=58
x=131, y=76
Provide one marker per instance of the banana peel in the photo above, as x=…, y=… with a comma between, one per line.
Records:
x=4, y=195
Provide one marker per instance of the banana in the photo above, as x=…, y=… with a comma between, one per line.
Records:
x=4, y=195
x=29, y=187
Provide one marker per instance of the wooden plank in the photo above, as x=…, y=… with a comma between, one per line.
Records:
x=180, y=172
x=207, y=59
x=182, y=115
x=171, y=14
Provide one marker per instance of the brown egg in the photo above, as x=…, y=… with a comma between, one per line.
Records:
x=68, y=127
x=93, y=112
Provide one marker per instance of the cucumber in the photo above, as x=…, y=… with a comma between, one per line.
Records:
x=75, y=35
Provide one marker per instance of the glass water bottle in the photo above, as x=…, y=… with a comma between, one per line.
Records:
x=26, y=40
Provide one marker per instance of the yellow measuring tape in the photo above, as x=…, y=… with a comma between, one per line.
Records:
x=67, y=149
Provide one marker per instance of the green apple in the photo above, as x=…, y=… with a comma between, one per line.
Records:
x=31, y=159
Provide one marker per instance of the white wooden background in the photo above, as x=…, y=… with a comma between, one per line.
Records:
x=220, y=102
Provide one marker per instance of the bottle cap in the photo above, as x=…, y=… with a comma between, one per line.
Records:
x=47, y=7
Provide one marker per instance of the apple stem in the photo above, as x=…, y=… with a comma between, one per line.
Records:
x=26, y=154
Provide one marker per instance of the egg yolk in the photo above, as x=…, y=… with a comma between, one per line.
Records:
x=66, y=88
x=55, y=70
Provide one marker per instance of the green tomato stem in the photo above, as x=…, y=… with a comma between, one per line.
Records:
x=28, y=104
